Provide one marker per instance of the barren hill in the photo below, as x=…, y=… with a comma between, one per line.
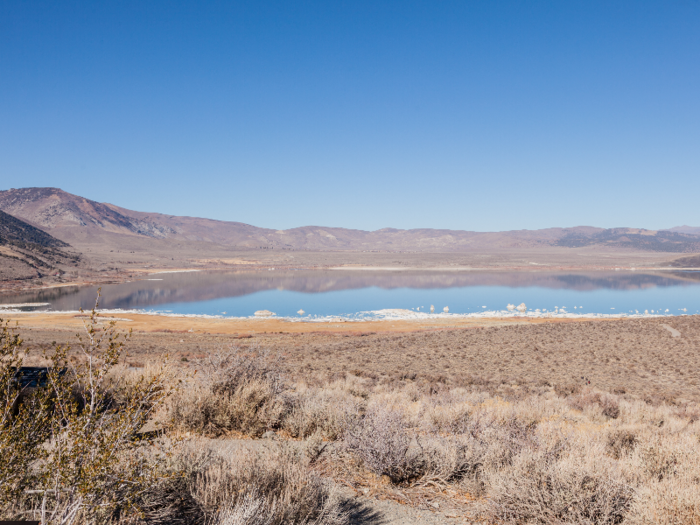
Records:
x=82, y=222
x=27, y=252
x=686, y=229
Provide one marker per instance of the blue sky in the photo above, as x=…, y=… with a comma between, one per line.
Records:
x=488, y=115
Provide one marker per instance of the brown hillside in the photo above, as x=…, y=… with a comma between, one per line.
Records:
x=27, y=252
x=81, y=221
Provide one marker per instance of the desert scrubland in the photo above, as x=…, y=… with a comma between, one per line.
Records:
x=495, y=422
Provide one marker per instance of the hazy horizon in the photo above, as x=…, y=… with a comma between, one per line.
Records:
x=391, y=227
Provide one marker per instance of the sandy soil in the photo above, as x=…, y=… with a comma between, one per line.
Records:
x=148, y=323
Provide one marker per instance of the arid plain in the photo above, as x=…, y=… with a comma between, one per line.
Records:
x=653, y=359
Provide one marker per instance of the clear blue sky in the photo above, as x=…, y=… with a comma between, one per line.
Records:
x=478, y=115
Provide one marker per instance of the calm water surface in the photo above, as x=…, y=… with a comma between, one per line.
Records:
x=347, y=293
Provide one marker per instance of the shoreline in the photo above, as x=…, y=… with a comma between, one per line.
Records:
x=534, y=268
x=151, y=323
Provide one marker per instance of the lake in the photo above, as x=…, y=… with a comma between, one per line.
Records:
x=362, y=293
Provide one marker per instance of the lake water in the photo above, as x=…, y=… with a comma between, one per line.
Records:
x=363, y=293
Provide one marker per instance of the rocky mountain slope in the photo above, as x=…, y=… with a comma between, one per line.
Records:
x=80, y=221
x=27, y=252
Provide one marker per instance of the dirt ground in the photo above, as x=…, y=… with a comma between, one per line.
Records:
x=655, y=358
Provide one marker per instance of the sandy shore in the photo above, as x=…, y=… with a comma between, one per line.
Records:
x=149, y=323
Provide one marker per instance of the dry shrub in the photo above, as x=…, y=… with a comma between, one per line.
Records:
x=328, y=411
x=272, y=486
x=171, y=501
x=672, y=495
x=584, y=399
x=452, y=459
x=567, y=389
x=23, y=424
x=252, y=409
x=558, y=484
x=448, y=412
x=690, y=413
x=239, y=390
x=671, y=502
x=530, y=457
x=381, y=440
x=355, y=385
x=610, y=407
x=252, y=509
x=621, y=442
x=228, y=370
x=587, y=398
x=658, y=460
x=504, y=440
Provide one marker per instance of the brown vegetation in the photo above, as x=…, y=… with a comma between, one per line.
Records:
x=637, y=356
x=537, y=457
x=525, y=451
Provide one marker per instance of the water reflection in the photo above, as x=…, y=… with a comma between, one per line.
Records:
x=197, y=288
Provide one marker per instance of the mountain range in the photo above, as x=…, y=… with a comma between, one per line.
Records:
x=81, y=222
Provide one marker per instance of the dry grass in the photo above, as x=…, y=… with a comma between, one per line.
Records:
x=327, y=411
x=638, y=356
x=273, y=486
x=528, y=451
x=381, y=440
x=237, y=390
x=546, y=456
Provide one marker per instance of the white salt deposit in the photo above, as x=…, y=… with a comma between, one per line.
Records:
x=674, y=332
x=23, y=305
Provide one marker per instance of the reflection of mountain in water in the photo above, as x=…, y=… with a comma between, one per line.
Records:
x=202, y=286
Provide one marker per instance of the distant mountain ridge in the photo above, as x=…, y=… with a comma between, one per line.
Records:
x=75, y=219
x=691, y=230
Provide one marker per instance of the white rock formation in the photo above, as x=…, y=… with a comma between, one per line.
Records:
x=521, y=308
x=446, y=309
x=264, y=313
x=301, y=312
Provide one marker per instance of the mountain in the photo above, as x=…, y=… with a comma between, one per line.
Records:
x=692, y=261
x=27, y=252
x=18, y=233
x=690, y=230
x=82, y=222
x=637, y=239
